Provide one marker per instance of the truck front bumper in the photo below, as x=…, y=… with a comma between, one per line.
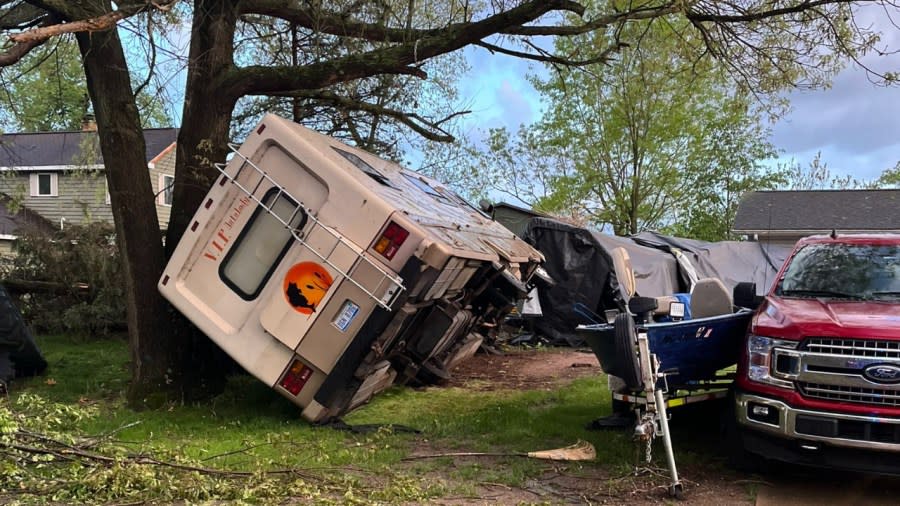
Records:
x=776, y=430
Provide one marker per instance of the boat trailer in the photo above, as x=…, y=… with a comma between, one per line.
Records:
x=652, y=403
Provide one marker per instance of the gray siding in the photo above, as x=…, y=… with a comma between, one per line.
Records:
x=81, y=196
x=164, y=164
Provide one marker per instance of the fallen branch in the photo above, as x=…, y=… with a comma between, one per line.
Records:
x=581, y=450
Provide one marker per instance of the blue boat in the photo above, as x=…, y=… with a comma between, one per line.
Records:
x=691, y=350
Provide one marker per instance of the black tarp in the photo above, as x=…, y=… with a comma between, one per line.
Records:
x=579, y=262
x=19, y=354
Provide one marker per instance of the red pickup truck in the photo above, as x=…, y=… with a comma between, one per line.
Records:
x=818, y=382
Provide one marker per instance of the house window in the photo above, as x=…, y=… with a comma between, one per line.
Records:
x=44, y=184
x=166, y=184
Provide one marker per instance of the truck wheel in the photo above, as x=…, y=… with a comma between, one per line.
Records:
x=629, y=366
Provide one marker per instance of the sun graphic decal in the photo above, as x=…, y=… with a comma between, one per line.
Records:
x=305, y=285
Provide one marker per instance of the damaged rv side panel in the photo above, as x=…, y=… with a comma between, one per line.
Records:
x=330, y=274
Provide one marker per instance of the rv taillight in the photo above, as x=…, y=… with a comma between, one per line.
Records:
x=295, y=377
x=393, y=237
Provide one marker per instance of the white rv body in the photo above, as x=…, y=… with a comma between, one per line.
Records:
x=327, y=272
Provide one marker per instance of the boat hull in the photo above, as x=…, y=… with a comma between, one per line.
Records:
x=696, y=348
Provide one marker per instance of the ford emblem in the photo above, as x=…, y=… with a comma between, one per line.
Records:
x=882, y=373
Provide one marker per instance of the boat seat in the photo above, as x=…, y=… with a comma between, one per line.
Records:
x=625, y=276
x=624, y=273
x=709, y=297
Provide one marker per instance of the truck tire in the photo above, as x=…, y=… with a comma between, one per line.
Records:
x=629, y=367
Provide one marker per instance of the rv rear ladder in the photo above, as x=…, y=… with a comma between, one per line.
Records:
x=395, y=287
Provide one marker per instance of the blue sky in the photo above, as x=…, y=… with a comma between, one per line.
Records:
x=854, y=124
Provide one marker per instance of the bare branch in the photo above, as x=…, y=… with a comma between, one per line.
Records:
x=339, y=24
x=20, y=16
x=18, y=51
x=430, y=130
x=15, y=53
x=766, y=13
x=259, y=80
x=104, y=22
x=92, y=24
x=599, y=22
x=603, y=57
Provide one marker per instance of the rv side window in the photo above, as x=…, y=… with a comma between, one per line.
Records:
x=365, y=167
x=261, y=245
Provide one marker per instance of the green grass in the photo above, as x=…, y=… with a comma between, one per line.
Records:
x=250, y=427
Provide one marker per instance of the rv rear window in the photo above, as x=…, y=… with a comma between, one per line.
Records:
x=261, y=244
x=364, y=166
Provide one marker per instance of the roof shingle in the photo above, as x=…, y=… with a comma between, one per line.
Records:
x=812, y=210
x=45, y=149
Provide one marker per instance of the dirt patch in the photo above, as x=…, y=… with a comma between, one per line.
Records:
x=589, y=482
x=528, y=369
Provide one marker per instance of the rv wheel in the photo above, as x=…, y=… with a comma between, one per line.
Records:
x=431, y=372
x=626, y=353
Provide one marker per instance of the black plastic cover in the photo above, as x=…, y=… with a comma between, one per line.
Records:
x=19, y=354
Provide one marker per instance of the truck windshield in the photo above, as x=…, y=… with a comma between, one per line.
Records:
x=844, y=271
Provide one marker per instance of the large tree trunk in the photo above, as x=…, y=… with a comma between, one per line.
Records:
x=202, y=141
x=131, y=196
x=206, y=116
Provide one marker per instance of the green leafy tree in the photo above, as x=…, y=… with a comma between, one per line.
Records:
x=47, y=92
x=652, y=138
x=890, y=177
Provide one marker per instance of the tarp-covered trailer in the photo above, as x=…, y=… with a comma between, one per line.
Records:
x=581, y=263
x=330, y=274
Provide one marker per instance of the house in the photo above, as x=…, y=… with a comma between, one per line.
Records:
x=783, y=217
x=57, y=178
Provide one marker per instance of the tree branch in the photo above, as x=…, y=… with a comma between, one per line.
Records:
x=430, y=130
x=596, y=23
x=763, y=14
x=260, y=80
x=603, y=57
x=341, y=25
x=91, y=24
x=20, y=15
x=15, y=53
x=18, y=51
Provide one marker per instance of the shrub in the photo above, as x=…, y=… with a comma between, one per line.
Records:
x=70, y=280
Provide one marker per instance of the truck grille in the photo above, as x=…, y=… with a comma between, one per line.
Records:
x=877, y=396
x=853, y=347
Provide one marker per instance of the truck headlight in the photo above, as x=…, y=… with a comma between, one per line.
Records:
x=760, y=351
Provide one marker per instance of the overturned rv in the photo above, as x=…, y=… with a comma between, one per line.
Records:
x=330, y=274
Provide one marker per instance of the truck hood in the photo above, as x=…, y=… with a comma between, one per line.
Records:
x=798, y=318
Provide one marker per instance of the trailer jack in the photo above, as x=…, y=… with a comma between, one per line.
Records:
x=654, y=422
